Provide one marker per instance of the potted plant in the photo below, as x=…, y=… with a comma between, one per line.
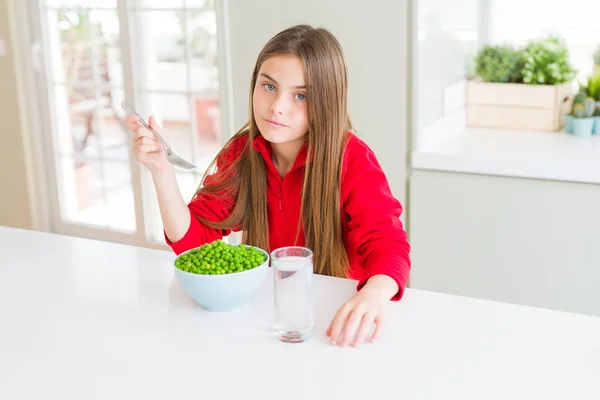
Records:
x=202, y=47
x=593, y=90
x=597, y=62
x=499, y=64
x=75, y=33
x=521, y=88
x=83, y=45
x=82, y=167
x=581, y=120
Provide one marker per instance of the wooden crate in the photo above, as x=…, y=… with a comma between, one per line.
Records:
x=518, y=106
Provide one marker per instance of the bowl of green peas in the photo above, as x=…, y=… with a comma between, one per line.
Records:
x=221, y=277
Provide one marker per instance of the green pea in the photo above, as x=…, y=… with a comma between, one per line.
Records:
x=218, y=258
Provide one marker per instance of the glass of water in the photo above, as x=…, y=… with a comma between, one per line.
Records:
x=293, y=270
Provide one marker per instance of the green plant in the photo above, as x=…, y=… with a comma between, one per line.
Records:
x=547, y=62
x=500, y=63
x=589, y=89
x=590, y=106
x=597, y=56
x=593, y=87
x=581, y=96
x=583, y=106
x=578, y=110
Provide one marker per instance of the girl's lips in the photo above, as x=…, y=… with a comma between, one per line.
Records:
x=275, y=123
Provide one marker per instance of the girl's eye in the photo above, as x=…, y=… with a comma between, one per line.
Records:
x=300, y=96
x=269, y=87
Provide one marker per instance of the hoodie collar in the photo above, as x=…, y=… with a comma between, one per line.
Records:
x=261, y=145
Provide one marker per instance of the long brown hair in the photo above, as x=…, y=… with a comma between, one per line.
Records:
x=245, y=181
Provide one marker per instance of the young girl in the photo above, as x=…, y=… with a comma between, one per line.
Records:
x=296, y=175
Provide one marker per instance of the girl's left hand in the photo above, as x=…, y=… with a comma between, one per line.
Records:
x=356, y=317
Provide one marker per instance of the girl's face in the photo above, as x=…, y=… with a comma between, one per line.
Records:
x=279, y=100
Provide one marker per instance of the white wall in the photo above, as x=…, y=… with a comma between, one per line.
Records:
x=374, y=38
x=17, y=201
x=520, y=241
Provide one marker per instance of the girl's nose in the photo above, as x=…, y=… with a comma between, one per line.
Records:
x=278, y=106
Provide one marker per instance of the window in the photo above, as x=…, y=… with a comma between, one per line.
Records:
x=516, y=22
x=165, y=58
x=446, y=38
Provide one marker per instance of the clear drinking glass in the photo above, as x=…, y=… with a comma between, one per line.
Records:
x=293, y=271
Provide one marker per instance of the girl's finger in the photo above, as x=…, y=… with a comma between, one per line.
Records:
x=143, y=132
x=378, y=323
x=131, y=122
x=363, y=330
x=148, y=148
x=338, y=323
x=153, y=124
x=145, y=140
x=352, y=325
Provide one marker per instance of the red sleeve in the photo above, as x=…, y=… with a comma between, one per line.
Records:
x=209, y=207
x=374, y=226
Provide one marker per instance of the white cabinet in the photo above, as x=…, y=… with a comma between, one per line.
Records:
x=523, y=241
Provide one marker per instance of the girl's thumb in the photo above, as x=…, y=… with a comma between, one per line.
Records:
x=152, y=122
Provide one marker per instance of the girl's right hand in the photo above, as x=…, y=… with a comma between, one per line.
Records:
x=146, y=147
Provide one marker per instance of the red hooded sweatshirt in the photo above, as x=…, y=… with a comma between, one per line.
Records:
x=373, y=234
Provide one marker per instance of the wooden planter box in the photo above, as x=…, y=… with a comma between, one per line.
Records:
x=518, y=106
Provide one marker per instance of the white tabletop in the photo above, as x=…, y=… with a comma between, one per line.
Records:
x=83, y=319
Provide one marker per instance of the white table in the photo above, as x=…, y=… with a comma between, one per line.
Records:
x=83, y=319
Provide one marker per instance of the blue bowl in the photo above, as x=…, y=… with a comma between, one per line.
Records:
x=223, y=293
